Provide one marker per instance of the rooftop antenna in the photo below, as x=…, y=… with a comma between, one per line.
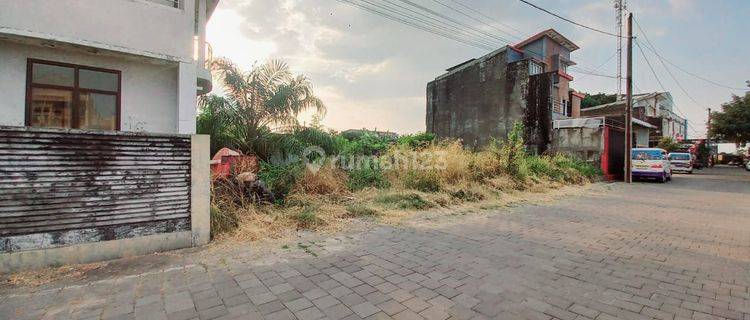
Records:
x=620, y=6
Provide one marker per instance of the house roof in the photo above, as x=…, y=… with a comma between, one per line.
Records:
x=468, y=63
x=593, y=122
x=620, y=103
x=459, y=65
x=552, y=34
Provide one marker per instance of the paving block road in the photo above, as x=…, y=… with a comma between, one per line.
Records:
x=679, y=250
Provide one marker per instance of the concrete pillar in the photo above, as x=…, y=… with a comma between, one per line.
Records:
x=187, y=102
x=201, y=31
x=200, y=189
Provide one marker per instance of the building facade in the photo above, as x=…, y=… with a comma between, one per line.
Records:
x=98, y=105
x=129, y=65
x=482, y=98
x=656, y=108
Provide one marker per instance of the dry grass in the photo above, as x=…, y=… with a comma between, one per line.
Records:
x=40, y=277
x=329, y=180
x=321, y=201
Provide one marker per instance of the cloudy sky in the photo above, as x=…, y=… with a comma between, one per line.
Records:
x=371, y=72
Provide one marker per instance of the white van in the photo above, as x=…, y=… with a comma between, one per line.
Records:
x=681, y=162
x=651, y=163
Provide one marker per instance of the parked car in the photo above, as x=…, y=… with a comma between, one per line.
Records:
x=747, y=165
x=651, y=163
x=681, y=162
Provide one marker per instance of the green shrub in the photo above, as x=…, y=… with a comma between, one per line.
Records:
x=306, y=218
x=584, y=168
x=417, y=140
x=422, y=180
x=512, y=153
x=366, y=176
x=404, y=201
x=360, y=210
x=366, y=144
x=544, y=166
x=282, y=177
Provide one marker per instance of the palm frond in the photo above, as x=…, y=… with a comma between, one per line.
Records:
x=257, y=104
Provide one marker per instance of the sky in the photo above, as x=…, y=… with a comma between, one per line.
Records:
x=372, y=72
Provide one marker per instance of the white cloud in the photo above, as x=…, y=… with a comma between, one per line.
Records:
x=224, y=33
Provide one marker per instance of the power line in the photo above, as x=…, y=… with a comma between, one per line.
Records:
x=643, y=53
x=680, y=68
x=432, y=30
x=476, y=19
x=416, y=5
x=571, y=21
x=523, y=34
x=444, y=26
x=440, y=24
x=637, y=43
x=650, y=66
x=704, y=79
x=595, y=70
x=594, y=74
x=661, y=59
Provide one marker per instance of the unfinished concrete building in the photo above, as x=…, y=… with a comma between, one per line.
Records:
x=482, y=98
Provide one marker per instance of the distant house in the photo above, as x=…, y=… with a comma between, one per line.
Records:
x=482, y=98
x=130, y=65
x=656, y=108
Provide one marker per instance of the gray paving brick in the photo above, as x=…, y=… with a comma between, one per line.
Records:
x=338, y=311
x=311, y=313
x=298, y=304
x=365, y=309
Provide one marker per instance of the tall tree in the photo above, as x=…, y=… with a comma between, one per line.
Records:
x=732, y=123
x=256, y=105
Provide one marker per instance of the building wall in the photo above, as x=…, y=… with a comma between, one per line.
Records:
x=133, y=25
x=560, y=93
x=582, y=142
x=641, y=136
x=576, y=101
x=478, y=102
x=149, y=96
x=553, y=48
x=143, y=193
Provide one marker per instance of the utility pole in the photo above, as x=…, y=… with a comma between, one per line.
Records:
x=708, y=136
x=629, y=104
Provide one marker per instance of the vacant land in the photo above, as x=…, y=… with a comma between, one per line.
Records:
x=674, y=251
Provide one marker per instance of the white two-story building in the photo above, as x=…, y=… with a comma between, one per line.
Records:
x=129, y=65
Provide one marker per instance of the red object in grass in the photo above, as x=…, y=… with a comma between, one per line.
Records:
x=227, y=161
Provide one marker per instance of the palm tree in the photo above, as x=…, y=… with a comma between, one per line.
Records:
x=257, y=107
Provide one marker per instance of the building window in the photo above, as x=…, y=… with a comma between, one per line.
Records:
x=60, y=95
x=535, y=68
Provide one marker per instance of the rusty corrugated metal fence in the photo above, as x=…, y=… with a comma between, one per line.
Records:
x=62, y=187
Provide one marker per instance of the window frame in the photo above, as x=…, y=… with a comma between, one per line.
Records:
x=75, y=89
